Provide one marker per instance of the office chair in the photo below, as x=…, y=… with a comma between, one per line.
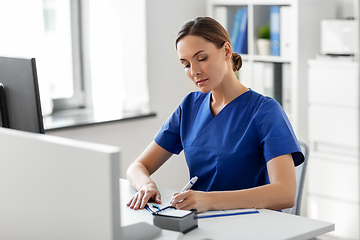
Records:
x=300, y=180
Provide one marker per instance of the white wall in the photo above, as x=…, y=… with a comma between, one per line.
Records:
x=168, y=84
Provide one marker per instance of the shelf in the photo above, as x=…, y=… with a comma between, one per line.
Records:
x=300, y=43
x=264, y=58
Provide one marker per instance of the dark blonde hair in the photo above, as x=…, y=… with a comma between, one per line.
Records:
x=212, y=31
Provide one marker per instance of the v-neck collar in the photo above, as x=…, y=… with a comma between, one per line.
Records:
x=206, y=125
x=230, y=103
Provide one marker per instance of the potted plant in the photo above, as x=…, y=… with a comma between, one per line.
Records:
x=263, y=41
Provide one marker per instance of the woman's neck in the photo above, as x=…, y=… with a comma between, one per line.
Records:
x=227, y=91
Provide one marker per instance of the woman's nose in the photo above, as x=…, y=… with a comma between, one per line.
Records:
x=195, y=70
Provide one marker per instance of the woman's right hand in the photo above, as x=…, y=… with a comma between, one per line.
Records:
x=139, y=173
x=141, y=198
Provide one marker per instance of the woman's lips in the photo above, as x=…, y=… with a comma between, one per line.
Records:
x=201, y=81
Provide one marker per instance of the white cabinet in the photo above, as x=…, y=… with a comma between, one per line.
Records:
x=333, y=170
x=290, y=69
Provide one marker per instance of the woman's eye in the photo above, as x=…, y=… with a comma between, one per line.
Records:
x=202, y=59
x=186, y=66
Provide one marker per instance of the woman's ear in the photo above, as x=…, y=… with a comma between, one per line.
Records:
x=228, y=50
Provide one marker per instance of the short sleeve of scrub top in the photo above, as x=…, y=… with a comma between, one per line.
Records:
x=229, y=151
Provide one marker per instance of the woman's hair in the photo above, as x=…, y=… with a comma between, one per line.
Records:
x=212, y=31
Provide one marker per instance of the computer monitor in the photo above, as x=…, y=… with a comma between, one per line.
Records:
x=57, y=188
x=20, y=106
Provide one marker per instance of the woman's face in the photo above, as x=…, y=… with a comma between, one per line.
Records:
x=204, y=63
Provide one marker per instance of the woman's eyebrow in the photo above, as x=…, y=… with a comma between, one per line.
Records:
x=197, y=53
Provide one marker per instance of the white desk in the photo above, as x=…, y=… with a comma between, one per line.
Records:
x=264, y=225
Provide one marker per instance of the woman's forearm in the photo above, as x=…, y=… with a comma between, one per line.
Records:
x=148, y=162
x=138, y=175
x=272, y=196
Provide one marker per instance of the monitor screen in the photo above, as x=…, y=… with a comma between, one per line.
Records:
x=19, y=95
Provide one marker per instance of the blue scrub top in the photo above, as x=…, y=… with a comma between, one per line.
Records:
x=229, y=151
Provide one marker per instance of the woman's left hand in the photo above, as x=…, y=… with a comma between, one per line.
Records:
x=191, y=200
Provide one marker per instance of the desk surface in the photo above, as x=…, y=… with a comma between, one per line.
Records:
x=266, y=224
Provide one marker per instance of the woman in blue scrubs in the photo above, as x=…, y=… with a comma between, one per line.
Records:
x=239, y=143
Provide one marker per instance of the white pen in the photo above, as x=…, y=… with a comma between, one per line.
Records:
x=190, y=184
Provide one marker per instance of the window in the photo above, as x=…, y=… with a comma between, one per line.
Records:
x=89, y=53
x=61, y=53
